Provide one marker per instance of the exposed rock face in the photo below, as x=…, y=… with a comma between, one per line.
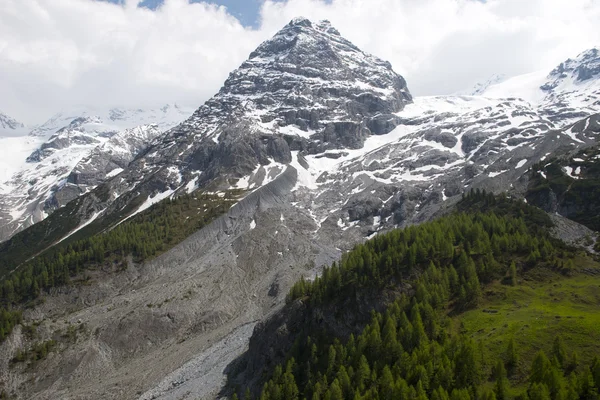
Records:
x=585, y=67
x=569, y=184
x=306, y=89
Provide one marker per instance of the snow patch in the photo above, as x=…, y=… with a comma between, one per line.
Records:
x=493, y=174
x=569, y=171
x=150, y=201
x=114, y=172
x=80, y=227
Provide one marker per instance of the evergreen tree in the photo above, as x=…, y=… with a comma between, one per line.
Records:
x=513, y=274
x=539, y=367
x=512, y=358
x=538, y=391
x=559, y=352
x=501, y=385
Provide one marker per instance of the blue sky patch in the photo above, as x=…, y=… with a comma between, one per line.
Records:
x=246, y=11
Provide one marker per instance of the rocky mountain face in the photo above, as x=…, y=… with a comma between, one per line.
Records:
x=330, y=148
x=569, y=184
x=306, y=90
x=74, y=158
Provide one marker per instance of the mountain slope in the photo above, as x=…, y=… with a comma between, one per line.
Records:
x=423, y=290
x=306, y=89
x=74, y=159
x=569, y=183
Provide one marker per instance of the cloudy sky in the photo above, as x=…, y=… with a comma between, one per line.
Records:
x=55, y=54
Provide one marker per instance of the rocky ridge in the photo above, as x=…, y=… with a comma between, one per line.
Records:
x=74, y=158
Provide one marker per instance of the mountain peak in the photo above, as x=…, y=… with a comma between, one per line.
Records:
x=313, y=51
x=322, y=26
x=584, y=67
x=303, y=81
x=300, y=21
x=302, y=35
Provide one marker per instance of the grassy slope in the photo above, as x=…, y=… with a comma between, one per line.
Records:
x=543, y=305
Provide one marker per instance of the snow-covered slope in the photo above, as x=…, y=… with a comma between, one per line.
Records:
x=45, y=172
x=481, y=87
x=570, y=91
x=14, y=152
x=114, y=119
x=15, y=146
x=309, y=100
x=305, y=89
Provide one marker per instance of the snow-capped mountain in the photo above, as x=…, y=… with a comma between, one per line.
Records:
x=343, y=122
x=113, y=119
x=329, y=147
x=568, y=93
x=306, y=89
x=89, y=148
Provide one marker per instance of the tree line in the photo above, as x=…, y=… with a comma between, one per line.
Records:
x=142, y=237
x=409, y=351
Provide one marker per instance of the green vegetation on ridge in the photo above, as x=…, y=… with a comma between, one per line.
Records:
x=497, y=310
x=142, y=237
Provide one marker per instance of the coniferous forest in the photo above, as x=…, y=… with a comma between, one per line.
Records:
x=140, y=238
x=419, y=348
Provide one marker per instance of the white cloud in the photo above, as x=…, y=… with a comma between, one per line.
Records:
x=59, y=53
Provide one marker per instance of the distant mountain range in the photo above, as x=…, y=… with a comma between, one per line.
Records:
x=71, y=154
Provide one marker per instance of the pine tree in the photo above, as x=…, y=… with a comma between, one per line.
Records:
x=501, y=386
x=539, y=367
x=363, y=372
x=289, y=389
x=467, y=365
x=559, y=352
x=512, y=358
x=335, y=391
x=513, y=274
x=538, y=391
